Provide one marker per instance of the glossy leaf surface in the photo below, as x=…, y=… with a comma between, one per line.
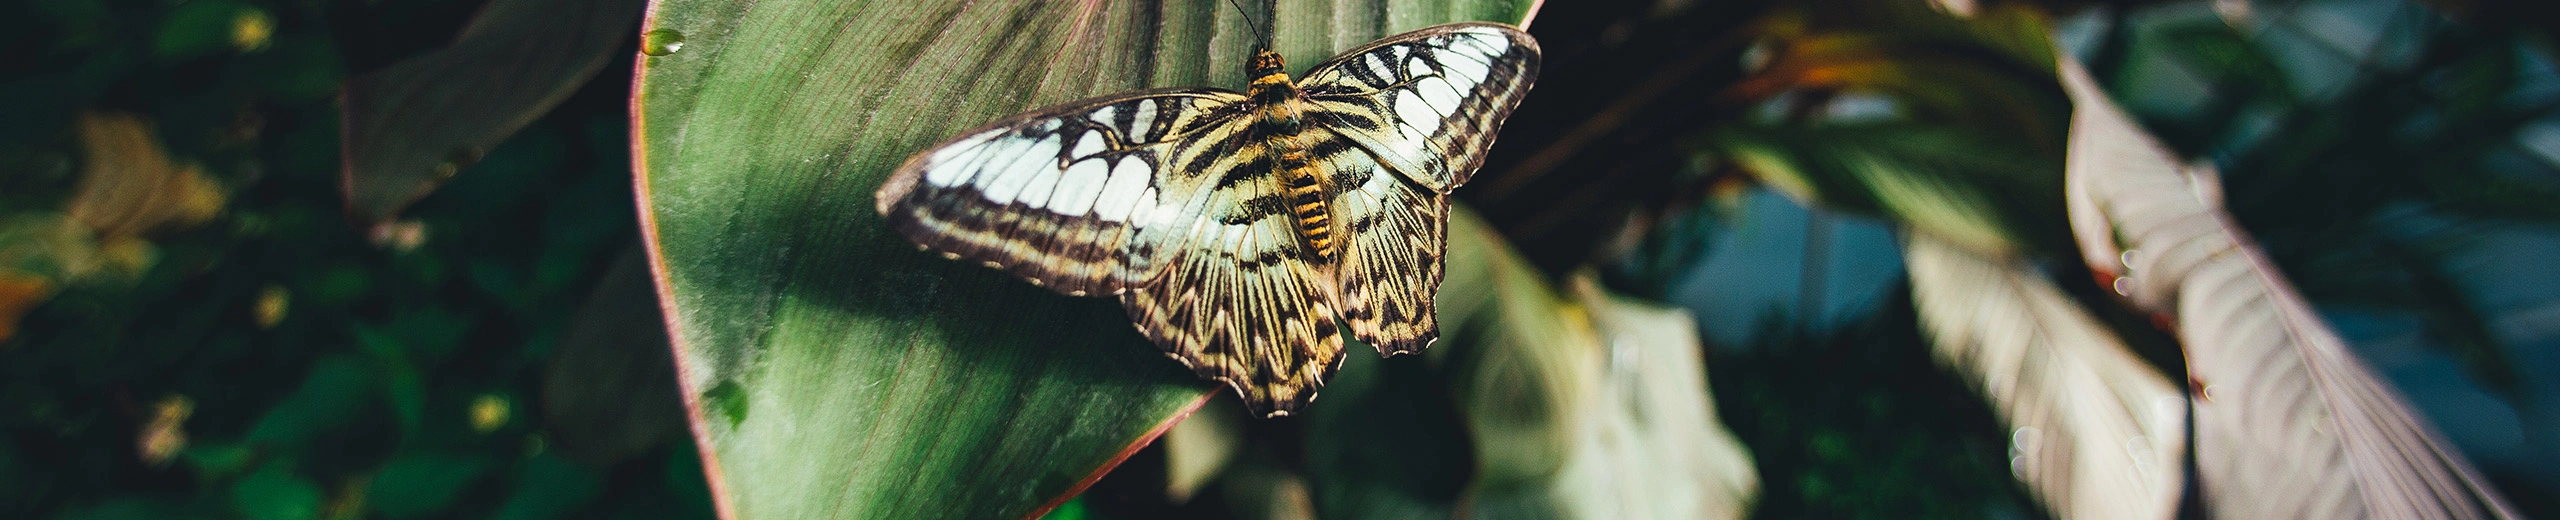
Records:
x=831, y=369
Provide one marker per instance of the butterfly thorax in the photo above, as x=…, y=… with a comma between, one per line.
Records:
x=1249, y=234
x=1278, y=117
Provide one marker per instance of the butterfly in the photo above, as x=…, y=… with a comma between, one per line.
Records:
x=1240, y=230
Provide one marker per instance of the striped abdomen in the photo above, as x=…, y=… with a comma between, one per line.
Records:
x=1281, y=124
x=1306, y=201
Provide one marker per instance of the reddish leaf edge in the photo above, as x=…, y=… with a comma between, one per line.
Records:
x=675, y=341
x=694, y=417
x=1125, y=452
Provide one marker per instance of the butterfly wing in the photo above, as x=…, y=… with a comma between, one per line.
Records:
x=1427, y=103
x=1424, y=105
x=1057, y=194
x=1168, y=210
x=1238, y=299
x=1396, y=231
x=1146, y=196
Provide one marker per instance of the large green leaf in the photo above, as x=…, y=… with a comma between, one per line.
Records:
x=830, y=369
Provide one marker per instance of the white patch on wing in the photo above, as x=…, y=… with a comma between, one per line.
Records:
x=1036, y=193
x=1078, y=186
x=1360, y=201
x=1493, y=39
x=1487, y=42
x=1120, y=195
x=1413, y=136
x=1415, y=113
x=1414, y=67
x=1002, y=155
x=1233, y=239
x=948, y=169
x=1144, y=209
x=1467, y=71
x=1006, y=181
x=1376, y=66
x=1104, y=114
x=1381, y=187
x=1458, y=51
x=1089, y=145
x=1141, y=119
x=953, y=150
x=1438, y=93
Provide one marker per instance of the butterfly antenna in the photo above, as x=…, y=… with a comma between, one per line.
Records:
x=1262, y=33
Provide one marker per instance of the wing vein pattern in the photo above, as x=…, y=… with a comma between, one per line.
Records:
x=1245, y=233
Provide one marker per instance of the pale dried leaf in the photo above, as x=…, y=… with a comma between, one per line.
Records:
x=2094, y=432
x=1200, y=447
x=1261, y=489
x=1649, y=445
x=130, y=186
x=1528, y=358
x=1581, y=404
x=2290, y=424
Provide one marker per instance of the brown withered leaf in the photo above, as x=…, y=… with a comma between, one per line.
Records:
x=19, y=293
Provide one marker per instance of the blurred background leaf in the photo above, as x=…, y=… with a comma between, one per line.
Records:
x=2094, y=431
x=610, y=389
x=415, y=124
x=2287, y=421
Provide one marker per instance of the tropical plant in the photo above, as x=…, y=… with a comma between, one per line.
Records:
x=2090, y=323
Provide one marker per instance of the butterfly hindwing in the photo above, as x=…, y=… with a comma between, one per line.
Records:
x=1391, y=266
x=1244, y=233
x=1425, y=105
x=1055, y=195
x=1428, y=102
x=1238, y=299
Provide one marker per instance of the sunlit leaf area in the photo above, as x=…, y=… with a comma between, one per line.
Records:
x=1767, y=259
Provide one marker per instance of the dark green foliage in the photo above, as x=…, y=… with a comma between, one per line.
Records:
x=1861, y=423
x=402, y=380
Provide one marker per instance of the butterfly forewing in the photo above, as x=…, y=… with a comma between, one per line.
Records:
x=1054, y=196
x=1184, y=203
x=1428, y=102
x=1425, y=105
